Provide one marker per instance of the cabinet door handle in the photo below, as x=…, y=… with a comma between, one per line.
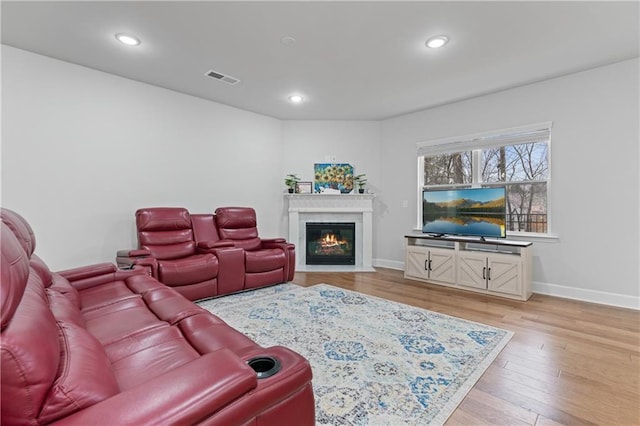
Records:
x=426, y=264
x=430, y=265
x=484, y=273
x=489, y=274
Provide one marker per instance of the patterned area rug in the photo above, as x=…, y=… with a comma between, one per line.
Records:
x=374, y=361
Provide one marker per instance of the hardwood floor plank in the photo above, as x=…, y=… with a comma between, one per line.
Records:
x=542, y=398
x=543, y=421
x=526, y=368
x=481, y=406
x=568, y=363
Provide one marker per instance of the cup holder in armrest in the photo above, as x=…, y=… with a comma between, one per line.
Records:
x=264, y=366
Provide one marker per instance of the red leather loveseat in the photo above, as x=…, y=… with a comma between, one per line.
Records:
x=97, y=345
x=168, y=249
x=207, y=255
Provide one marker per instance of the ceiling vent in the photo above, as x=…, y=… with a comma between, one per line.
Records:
x=221, y=77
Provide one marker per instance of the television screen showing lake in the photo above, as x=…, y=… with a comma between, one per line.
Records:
x=475, y=226
x=466, y=211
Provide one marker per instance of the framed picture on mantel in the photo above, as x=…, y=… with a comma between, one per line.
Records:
x=333, y=176
x=305, y=188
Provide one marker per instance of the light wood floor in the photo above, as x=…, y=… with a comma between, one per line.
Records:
x=569, y=362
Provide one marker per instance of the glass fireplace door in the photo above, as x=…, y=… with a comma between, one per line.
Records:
x=330, y=243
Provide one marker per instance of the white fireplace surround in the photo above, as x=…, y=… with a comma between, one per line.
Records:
x=357, y=208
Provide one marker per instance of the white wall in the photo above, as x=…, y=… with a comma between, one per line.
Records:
x=355, y=142
x=82, y=150
x=594, y=194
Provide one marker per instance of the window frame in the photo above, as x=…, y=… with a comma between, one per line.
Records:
x=476, y=143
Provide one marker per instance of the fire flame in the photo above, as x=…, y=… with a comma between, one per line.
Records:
x=330, y=240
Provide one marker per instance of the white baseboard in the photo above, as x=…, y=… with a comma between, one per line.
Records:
x=585, y=295
x=334, y=268
x=391, y=264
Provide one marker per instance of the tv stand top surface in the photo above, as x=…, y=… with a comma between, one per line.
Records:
x=463, y=239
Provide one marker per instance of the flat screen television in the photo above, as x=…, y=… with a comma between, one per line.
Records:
x=477, y=212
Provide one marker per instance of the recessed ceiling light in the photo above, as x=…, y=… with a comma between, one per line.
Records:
x=128, y=39
x=288, y=41
x=296, y=99
x=437, y=41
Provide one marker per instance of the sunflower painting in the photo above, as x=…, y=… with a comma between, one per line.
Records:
x=335, y=176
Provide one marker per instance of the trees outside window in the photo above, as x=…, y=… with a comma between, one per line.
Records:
x=447, y=169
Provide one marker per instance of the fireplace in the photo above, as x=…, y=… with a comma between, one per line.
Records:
x=330, y=243
x=332, y=208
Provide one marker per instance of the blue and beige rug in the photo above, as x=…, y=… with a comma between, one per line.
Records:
x=374, y=361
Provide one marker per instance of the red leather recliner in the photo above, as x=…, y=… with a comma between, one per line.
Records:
x=267, y=261
x=168, y=249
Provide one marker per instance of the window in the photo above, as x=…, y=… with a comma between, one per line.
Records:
x=515, y=158
x=447, y=169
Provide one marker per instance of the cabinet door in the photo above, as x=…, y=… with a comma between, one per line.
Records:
x=416, y=262
x=472, y=270
x=442, y=265
x=505, y=275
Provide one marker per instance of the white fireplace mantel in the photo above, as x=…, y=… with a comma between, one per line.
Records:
x=357, y=208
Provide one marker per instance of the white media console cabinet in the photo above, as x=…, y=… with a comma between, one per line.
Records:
x=492, y=266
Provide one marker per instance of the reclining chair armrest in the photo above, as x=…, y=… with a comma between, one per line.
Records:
x=275, y=243
x=232, y=269
x=210, y=246
x=185, y=395
x=89, y=271
x=289, y=251
x=134, y=253
x=273, y=240
x=291, y=254
x=101, y=273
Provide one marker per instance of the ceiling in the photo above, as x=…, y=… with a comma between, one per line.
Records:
x=350, y=60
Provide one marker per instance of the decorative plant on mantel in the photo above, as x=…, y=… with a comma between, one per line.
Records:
x=360, y=181
x=292, y=182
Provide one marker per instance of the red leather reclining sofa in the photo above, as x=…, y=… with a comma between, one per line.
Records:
x=97, y=345
x=207, y=255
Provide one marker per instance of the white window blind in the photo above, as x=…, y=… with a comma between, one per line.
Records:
x=514, y=136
